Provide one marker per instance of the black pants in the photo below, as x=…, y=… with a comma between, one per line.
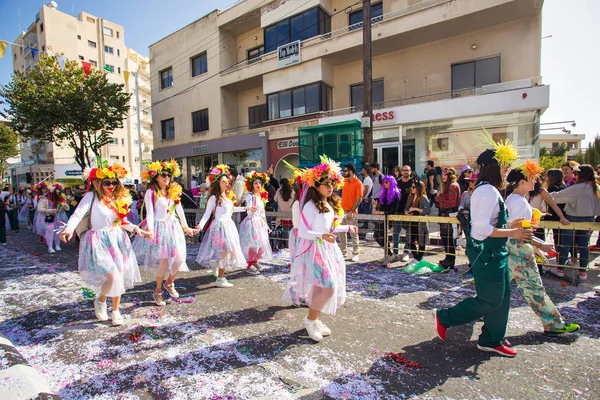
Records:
x=416, y=247
x=447, y=234
x=13, y=219
x=2, y=227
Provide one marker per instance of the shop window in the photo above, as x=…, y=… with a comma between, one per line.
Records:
x=166, y=78
x=244, y=160
x=167, y=129
x=200, y=121
x=299, y=101
x=356, y=94
x=257, y=114
x=299, y=27
x=476, y=73
x=355, y=18
x=199, y=65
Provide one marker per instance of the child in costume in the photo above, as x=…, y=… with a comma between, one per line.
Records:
x=220, y=248
x=317, y=253
x=488, y=255
x=165, y=248
x=107, y=262
x=521, y=260
x=254, y=231
x=53, y=207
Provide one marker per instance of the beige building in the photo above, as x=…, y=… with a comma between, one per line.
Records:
x=101, y=43
x=441, y=70
x=553, y=140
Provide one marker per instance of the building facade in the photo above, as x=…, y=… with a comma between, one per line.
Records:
x=442, y=69
x=553, y=140
x=101, y=43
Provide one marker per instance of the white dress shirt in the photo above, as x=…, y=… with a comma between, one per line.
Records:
x=484, y=211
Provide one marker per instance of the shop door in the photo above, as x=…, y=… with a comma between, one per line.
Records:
x=388, y=156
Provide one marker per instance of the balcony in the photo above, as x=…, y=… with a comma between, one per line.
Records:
x=424, y=22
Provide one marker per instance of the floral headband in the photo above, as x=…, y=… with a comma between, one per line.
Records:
x=56, y=186
x=327, y=169
x=41, y=185
x=157, y=167
x=505, y=152
x=531, y=168
x=105, y=171
x=218, y=172
x=252, y=176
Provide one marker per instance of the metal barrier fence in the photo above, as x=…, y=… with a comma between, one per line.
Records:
x=421, y=236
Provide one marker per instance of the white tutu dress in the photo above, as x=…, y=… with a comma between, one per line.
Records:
x=321, y=263
x=169, y=239
x=38, y=219
x=221, y=242
x=105, y=248
x=254, y=232
x=134, y=215
x=297, y=289
x=47, y=229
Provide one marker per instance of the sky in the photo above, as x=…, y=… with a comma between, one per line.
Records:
x=570, y=57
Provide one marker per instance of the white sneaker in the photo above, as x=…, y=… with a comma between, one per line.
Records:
x=259, y=267
x=224, y=283
x=253, y=270
x=325, y=331
x=117, y=318
x=51, y=251
x=158, y=299
x=172, y=292
x=354, y=258
x=312, y=329
x=404, y=257
x=214, y=268
x=558, y=272
x=100, y=310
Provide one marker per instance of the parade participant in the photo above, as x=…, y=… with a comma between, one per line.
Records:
x=521, y=261
x=296, y=290
x=70, y=201
x=254, y=231
x=134, y=214
x=28, y=210
x=13, y=203
x=53, y=207
x=220, y=248
x=316, y=251
x=107, y=262
x=62, y=215
x=164, y=250
x=40, y=189
x=487, y=253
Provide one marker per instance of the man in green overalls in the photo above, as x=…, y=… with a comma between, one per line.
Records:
x=487, y=253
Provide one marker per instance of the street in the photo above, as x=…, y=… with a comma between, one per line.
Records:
x=243, y=343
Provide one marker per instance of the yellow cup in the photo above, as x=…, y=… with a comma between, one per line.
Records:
x=525, y=224
x=537, y=215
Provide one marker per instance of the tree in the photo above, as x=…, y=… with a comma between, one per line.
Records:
x=549, y=162
x=66, y=106
x=9, y=142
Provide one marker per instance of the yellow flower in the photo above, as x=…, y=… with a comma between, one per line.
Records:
x=121, y=203
x=110, y=174
x=155, y=166
x=100, y=174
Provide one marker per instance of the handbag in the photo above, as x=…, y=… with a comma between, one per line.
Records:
x=49, y=219
x=86, y=222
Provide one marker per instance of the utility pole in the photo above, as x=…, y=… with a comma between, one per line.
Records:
x=367, y=83
x=139, y=126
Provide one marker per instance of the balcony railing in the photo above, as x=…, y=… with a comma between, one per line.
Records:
x=453, y=94
x=423, y=5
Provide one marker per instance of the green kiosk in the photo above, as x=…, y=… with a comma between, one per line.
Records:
x=341, y=141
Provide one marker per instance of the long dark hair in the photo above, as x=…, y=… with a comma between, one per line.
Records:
x=555, y=177
x=491, y=174
x=285, y=189
x=334, y=201
x=586, y=174
x=215, y=190
x=415, y=200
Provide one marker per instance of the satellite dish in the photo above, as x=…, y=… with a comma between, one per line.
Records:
x=53, y=4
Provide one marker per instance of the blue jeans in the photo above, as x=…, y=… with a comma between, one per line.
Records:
x=580, y=239
x=396, y=237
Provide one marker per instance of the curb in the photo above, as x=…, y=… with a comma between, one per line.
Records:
x=19, y=380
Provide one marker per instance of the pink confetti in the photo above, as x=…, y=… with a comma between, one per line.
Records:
x=577, y=391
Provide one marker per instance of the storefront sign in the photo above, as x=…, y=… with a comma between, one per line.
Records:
x=382, y=117
x=200, y=149
x=287, y=144
x=66, y=171
x=288, y=54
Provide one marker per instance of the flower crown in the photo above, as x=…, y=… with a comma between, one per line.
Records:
x=252, y=176
x=105, y=171
x=218, y=172
x=531, y=168
x=56, y=186
x=157, y=167
x=41, y=185
x=327, y=169
x=505, y=152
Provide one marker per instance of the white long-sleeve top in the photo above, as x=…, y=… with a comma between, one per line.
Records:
x=296, y=214
x=579, y=199
x=43, y=207
x=484, y=211
x=222, y=211
x=254, y=201
x=319, y=223
x=160, y=209
x=103, y=217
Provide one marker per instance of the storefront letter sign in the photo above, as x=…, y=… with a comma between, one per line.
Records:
x=288, y=54
x=287, y=144
x=200, y=149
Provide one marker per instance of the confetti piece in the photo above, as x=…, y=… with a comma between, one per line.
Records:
x=564, y=284
x=579, y=392
x=87, y=293
x=400, y=359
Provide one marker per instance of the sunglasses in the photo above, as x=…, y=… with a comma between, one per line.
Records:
x=386, y=182
x=166, y=175
x=413, y=187
x=110, y=183
x=327, y=185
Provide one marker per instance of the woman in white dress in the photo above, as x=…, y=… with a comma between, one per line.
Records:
x=107, y=262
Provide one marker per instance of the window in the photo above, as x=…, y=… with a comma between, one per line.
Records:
x=300, y=27
x=298, y=101
x=122, y=142
x=119, y=70
x=118, y=53
x=94, y=63
x=113, y=141
x=78, y=37
x=200, y=121
x=199, y=65
x=123, y=158
x=108, y=31
x=43, y=48
x=257, y=114
x=89, y=19
x=476, y=73
x=115, y=157
x=91, y=44
x=135, y=142
x=166, y=78
x=81, y=58
x=42, y=27
x=15, y=56
x=355, y=18
x=117, y=34
x=255, y=53
x=356, y=93
x=167, y=129
x=109, y=50
x=137, y=159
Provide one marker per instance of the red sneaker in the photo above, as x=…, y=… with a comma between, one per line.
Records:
x=441, y=330
x=502, y=350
